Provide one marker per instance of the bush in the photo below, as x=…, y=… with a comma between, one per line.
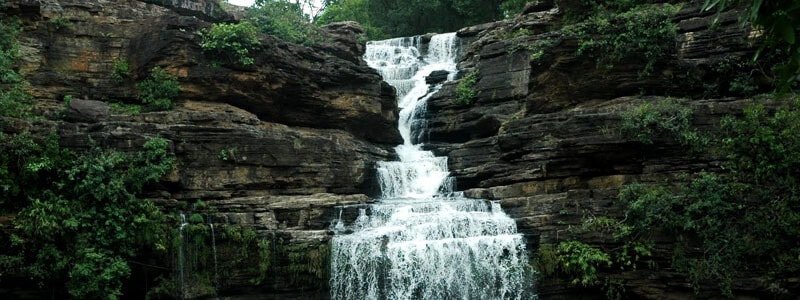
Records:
x=120, y=71
x=234, y=42
x=745, y=217
x=14, y=99
x=662, y=118
x=576, y=261
x=281, y=18
x=644, y=31
x=159, y=89
x=465, y=89
x=125, y=109
x=79, y=219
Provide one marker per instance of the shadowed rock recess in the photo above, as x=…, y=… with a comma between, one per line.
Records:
x=283, y=145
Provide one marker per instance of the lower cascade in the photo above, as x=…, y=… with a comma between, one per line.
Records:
x=421, y=240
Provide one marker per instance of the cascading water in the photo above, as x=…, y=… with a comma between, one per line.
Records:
x=181, y=263
x=421, y=240
x=214, y=253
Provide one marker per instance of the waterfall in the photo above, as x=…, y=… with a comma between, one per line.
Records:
x=214, y=253
x=181, y=259
x=421, y=240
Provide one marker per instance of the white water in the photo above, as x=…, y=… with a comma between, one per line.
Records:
x=181, y=259
x=421, y=240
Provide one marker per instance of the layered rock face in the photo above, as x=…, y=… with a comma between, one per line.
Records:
x=543, y=133
x=273, y=146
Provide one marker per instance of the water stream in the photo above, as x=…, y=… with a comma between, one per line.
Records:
x=421, y=240
x=181, y=258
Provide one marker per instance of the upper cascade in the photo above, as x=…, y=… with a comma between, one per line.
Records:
x=418, y=174
x=421, y=240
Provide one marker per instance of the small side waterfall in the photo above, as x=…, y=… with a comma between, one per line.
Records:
x=422, y=240
x=214, y=253
x=181, y=257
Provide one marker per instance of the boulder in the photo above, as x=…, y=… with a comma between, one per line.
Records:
x=436, y=77
x=88, y=111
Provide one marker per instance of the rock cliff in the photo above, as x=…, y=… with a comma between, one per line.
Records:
x=277, y=145
x=542, y=134
x=273, y=146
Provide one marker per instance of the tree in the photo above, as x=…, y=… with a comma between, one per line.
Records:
x=412, y=17
x=779, y=20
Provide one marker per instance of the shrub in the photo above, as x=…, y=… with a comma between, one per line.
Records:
x=228, y=154
x=281, y=18
x=14, y=99
x=80, y=220
x=747, y=216
x=120, y=71
x=465, y=89
x=644, y=31
x=59, y=23
x=159, y=89
x=125, y=109
x=234, y=42
x=580, y=261
x=662, y=118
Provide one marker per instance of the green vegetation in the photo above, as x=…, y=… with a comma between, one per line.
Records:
x=233, y=42
x=227, y=154
x=748, y=216
x=580, y=261
x=667, y=118
x=283, y=19
x=537, y=48
x=351, y=10
x=740, y=222
x=574, y=260
x=738, y=68
x=308, y=264
x=511, y=8
x=79, y=220
x=120, y=71
x=627, y=32
x=779, y=22
x=239, y=249
x=14, y=99
x=59, y=23
x=159, y=89
x=125, y=108
x=391, y=18
x=465, y=89
x=580, y=10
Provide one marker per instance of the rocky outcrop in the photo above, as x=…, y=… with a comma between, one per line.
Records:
x=275, y=146
x=208, y=10
x=542, y=136
x=71, y=47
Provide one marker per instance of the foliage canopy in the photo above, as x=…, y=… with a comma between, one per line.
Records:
x=779, y=22
x=283, y=19
x=80, y=221
x=234, y=42
x=748, y=216
x=392, y=18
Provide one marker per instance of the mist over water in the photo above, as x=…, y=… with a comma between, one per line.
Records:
x=421, y=240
